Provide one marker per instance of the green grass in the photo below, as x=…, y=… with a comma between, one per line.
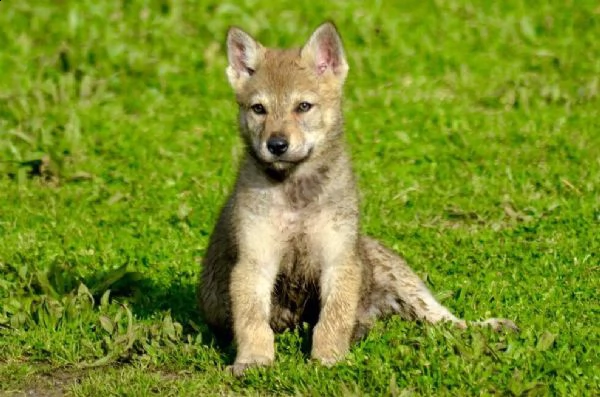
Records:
x=475, y=131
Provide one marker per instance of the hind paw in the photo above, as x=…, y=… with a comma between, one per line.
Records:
x=499, y=324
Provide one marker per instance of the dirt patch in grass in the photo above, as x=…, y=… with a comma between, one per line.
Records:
x=56, y=382
x=44, y=382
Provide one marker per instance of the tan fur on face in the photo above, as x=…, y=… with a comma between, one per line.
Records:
x=286, y=248
x=282, y=80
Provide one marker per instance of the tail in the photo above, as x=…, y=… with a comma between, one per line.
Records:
x=396, y=289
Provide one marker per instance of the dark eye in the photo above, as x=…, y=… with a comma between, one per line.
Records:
x=258, y=108
x=303, y=107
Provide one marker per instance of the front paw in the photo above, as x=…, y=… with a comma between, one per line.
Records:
x=241, y=365
x=325, y=360
x=328, y=349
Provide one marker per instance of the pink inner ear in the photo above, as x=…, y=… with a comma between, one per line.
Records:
x=321, y=67
x=239, y=57
x=326, y=56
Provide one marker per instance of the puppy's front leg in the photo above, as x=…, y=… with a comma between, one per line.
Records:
x=340, y=285
x=251, y=285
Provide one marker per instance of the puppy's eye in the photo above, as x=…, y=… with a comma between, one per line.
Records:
x=303, y=107
x=258, y=108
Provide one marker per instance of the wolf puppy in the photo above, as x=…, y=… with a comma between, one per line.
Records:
x=286, y=248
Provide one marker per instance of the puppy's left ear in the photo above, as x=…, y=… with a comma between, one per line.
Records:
x=245, y=55
x=325, y=53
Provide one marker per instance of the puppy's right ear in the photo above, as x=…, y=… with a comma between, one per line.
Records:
x=244, y=55
x=325, y=53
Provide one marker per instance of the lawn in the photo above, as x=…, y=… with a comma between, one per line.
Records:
x=475, y=132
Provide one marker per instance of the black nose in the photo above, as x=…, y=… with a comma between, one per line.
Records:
x=277, y=145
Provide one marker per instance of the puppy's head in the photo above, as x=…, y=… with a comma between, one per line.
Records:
x=289, y=100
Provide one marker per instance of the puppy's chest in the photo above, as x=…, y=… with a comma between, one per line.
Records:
x=293, y=227
x=292, y=207
x=289, y=222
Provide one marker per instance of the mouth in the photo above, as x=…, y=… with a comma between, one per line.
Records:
x=290, y=162
x=279, y=167
x=284, y=160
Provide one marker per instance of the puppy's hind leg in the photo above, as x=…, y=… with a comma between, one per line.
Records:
x=398, y=290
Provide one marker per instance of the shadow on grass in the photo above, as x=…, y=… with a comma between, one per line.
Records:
x=146, y=298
